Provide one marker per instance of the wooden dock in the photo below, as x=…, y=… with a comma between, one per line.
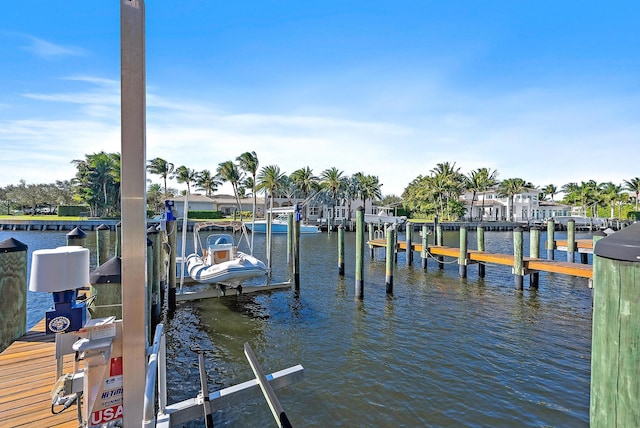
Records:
x=474, y=256
x=27, y=376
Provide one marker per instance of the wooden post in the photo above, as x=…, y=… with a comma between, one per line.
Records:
x=439, y=242
x=462, y=258
x=425, y=246
x=149, y=289
x=359, y=253
x=102, y=243
x=296, y=252
x=480, y=237
x=77, y=237
x=615, y=360
x=341, y=251
x=534, y=253
x=13, y=289
x=408, y=239
x=172, y=235
x=154, y=279
x=571, y=240
x=118, y=248
x=391, y=241
x=518, y=261
x=289, y=239
x=551, y=242
x=106, y=286
x=371, y=237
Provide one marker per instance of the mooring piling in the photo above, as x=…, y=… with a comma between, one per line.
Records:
x=359, y=253
x=480, y=243
x=341, y=250
x=534, y=252
x=391, y=244
x=296, y=253
x=408, y=239
x=571, y=240
x=518, y=259
x=13, y=289
x=77, y=237
x=551, y=240
x=102, y=244
x=172, y=237
x=425, y=242
x=439, y=242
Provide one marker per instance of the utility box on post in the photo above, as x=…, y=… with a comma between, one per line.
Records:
x=615, y=350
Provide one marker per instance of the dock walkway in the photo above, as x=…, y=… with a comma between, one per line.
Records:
x=27, y=376
x=474, y=256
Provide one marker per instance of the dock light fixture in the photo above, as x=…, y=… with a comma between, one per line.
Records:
x=61, y=271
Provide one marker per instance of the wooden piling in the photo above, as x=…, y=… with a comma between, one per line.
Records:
x=13, y=289
x=341, y=251
x=389, y=253
x=106, y=289
x=102, y=243
x=77, y=237
x=359, y=253
x=371, y=228
x=149, y=289
x=571, y=240
x=408, y=239
x=551, y=240
x=172, y=236
x=518, y=259
x=615, y=384
x=480, y=238
x=154, y=279
x=118, y=246
x=296, y=253
x=462, y=258
x=425, y=243
x=439, y=242
x=290, y=240
x=534, y=252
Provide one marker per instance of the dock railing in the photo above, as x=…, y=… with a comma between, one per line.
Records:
x=156, y=375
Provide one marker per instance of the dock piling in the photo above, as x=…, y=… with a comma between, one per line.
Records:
x=13, y=289
x=296, y=252
x=408, y=239
x=359, y=253
x=551, y=241
x=102, y=244
x=389, y=253
x=480, y=238
x=518, y=259
x=534, y=252
x=77, y=237
x=341, y=250
x=462, y=259
x=571, y=240
x=425, y=243
x=439, y=242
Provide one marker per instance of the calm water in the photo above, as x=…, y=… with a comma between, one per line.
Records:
x=440, y=352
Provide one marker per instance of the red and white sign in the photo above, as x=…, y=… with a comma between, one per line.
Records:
x=103, y=416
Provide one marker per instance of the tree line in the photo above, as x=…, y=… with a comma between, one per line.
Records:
x=97, y=185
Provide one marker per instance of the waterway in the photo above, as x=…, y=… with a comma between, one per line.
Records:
x=442, y=351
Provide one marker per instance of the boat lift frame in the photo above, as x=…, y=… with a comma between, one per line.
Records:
x=174, y=415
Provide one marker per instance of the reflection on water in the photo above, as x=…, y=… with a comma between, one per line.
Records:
x=440, y=352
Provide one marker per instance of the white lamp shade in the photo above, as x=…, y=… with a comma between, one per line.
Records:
x=59, y=269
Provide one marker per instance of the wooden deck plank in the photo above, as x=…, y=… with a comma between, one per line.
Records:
x=541, y=265
x=27, y=375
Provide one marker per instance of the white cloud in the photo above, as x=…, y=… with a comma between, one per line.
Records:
x=48, y=50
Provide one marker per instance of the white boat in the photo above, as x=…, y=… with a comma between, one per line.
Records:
x=279, y=225
x=221, y=262
x=383, y=217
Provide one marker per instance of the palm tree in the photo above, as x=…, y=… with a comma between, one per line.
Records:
x=550, y=190
x=509, y=188
x=571, y=192
x=161, y=167
x=98, y=181
x=248, y=162
x=228, y=171
x=182, y=174
x=611, y=194
x=269, y=181
x=306, y=182
x=479, y=181
x=633, y=185
x=332, y=181
x=368, y=188
x=207, y=182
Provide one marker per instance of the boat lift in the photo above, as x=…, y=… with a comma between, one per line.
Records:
x=205, y=403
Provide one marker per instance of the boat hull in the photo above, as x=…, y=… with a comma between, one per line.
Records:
x=276, y=227
x=231, y=272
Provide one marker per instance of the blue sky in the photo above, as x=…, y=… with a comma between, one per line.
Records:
x=547, y=91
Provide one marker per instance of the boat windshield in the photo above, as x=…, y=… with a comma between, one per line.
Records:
x=219, y=241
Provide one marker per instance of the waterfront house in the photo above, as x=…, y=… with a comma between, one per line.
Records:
x=527, y=206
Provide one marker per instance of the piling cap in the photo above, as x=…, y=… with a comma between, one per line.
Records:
x=110, y=272
x=102, y=227
x=623, y=245
x=152, y=230
x=12, y=245
x=76, y=233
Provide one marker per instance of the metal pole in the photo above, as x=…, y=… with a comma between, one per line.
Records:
x=341, y=250
x=359, y=253
x=391, y=241
x=134, y=201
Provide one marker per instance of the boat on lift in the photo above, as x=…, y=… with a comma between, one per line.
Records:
x=220, y=262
